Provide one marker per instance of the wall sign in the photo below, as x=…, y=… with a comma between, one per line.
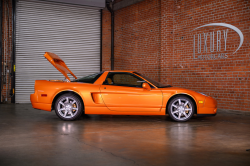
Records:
x=201, y=50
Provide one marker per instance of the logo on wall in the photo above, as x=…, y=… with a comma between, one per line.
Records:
x=213, y=45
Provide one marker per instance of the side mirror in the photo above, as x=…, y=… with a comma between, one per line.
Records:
x=146, y=86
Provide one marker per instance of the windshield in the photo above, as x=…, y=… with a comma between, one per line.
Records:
x=89, y=79
x=156, y=83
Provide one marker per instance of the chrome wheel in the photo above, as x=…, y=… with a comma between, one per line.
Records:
x=181, y=109
x=68, y=107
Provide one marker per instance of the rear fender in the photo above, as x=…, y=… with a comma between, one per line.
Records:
x=58, y=94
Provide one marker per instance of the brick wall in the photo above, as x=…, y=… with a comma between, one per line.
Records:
x=7, y=50
x=138, y=38
x=156, y=38
x=106, y=37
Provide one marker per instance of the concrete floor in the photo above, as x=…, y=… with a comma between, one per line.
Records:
x=35, y=137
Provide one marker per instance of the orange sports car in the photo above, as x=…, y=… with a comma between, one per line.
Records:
x=118, y=93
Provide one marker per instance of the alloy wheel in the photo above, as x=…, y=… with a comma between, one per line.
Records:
x=181, y=109
x=68, y=107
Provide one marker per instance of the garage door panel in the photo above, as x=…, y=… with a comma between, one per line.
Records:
x=70, y=31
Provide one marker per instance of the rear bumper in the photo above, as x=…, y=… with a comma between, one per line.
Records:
x=40, y=106
x=33, y=98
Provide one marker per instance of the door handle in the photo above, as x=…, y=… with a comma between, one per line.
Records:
x=104, y=87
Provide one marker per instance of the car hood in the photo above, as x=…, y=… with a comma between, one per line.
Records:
x=59, y=64
x=177, y=89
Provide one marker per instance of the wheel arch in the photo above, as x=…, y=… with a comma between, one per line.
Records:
x=64, y=92
x=182, y=94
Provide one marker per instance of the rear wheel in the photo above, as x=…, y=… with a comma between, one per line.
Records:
x=68, y=107
x=181, y=108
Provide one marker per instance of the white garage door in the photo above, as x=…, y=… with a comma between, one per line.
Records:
x=70, y=31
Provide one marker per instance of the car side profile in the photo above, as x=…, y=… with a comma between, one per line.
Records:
x=116, y=92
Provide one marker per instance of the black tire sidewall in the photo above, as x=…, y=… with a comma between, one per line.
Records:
x=171, y=102
x=80, y=107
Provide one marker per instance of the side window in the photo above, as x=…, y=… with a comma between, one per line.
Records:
x=124, y=79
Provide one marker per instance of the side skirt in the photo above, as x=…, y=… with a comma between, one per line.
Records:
x=106, y=111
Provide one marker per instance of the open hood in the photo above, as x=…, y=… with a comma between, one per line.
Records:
x=59, y=64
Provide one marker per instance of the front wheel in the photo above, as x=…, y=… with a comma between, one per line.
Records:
x=68, y=107
x=181, y=108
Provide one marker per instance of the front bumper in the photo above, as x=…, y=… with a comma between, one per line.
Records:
x=209, y=108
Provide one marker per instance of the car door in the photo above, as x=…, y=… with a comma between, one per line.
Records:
x=123, y=91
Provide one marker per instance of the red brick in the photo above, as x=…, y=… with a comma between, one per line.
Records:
x=153, y=38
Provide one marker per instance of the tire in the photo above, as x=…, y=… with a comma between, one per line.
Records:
x=68, y=107
x=181, y=108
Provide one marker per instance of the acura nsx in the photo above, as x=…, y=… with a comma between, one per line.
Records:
x=116, y=92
